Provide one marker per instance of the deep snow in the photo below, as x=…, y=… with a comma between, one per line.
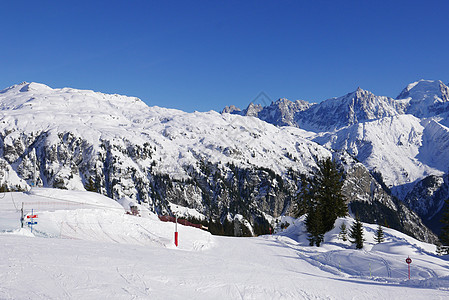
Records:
x=85, y=247
x=181, y=138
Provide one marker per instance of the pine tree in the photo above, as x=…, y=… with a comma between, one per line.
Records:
x=379, y=238
x=322, y=199
x=308, y=205
x=314, y=225
x=440, y=251
x=328, y=183
x=305, y=198
x=90, y=185
x=343, y=235
x=444, y=235
x=356, y=233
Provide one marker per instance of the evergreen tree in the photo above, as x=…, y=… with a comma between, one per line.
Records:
x=327, y=188
x=90, y=185
x=356, y=233
x=444, y=235
x=314, y=225
x=343, y=235
x=322, y=199
x=311, y=207
x=305, y=198
x=441, y=250
x=379, y=238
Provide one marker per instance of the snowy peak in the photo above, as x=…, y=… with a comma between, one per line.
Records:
x=231, y=110
x=280, y=112
x=35, y=87
x=27, y=87
x=365, y=102
x=36, y=97
x=359, y=106
x=424, y=89
x=252, y=110
x=352, y=108
x=285, y=105
x=426, y=98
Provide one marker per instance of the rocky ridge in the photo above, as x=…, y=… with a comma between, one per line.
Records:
x=405, y=139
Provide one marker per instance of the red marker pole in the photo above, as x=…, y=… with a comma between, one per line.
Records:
x=408, y=261
x=176, y=232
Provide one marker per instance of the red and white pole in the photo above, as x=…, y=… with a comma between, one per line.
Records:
x=176, y=232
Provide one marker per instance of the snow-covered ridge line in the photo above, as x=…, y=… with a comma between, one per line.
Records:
x=94, y=116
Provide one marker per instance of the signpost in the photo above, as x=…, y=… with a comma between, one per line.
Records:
x=408, y=261
x=32, y=222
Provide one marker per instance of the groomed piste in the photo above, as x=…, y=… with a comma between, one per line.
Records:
x=85, y=246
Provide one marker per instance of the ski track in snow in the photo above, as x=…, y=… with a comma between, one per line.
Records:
x=103, y=254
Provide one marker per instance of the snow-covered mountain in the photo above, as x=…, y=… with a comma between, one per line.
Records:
x=405, y=139
x=403, y=148
x=428, y=197
x=329, y=115
x=425, y=98
x=229, y=169
x=281, y=112
x=221, y=165
x=356, y=107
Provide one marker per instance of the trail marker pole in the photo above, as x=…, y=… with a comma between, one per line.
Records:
x=21, y=217
x=176, y=231
x=32, y=217
x=408, y=261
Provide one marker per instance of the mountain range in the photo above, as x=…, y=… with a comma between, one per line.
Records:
x=405, y=139
x=236, y=171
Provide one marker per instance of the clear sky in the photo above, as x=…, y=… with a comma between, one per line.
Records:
x=204, y=55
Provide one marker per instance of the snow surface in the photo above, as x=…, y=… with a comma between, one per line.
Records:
x=181, y=138
x=85, y=247
x=424, y=96
x=403, y=148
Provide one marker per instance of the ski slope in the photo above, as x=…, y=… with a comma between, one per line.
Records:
x=85, y=247
x=90, y=216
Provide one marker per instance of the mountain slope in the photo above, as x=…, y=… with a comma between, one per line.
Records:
x=356, y=107
x=222, y=165
x=427, y=198
x=404, y=139
x=426, y=98
x=403, y=148
x=84, y=246
x=239, y=172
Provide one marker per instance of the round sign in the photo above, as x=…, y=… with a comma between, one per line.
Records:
x=408, y=260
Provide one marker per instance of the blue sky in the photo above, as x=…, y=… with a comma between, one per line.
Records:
x=204, y=55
